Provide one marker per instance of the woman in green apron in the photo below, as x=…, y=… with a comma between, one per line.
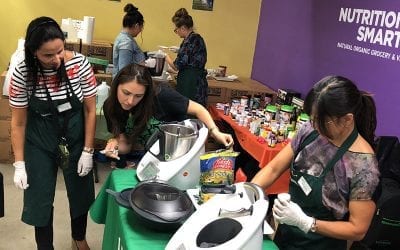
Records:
x=191, y=60
x=52, y=98
x=333, y=169
x=136, y=106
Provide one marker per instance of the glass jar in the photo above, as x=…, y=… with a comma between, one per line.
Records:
x=285, y=114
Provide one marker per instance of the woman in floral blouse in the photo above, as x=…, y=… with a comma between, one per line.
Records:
x=191, y=59
x=334, y=171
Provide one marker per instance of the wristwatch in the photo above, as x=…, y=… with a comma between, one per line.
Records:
x=314, y=226
x=88, y=150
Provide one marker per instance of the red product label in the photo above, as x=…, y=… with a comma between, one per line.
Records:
x=223, y=163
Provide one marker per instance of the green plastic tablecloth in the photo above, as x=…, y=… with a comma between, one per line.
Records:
x=122, y=229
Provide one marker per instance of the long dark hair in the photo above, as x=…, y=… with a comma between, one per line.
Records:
x=182, y=18
x=141, y=113
x=336, y=96
x=132, y=16
x=39, y=31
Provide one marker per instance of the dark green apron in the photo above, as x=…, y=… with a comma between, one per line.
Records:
x=193, y=84
x=42, y=136
x=290, y=237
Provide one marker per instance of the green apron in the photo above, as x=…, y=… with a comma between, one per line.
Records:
x=290, y=237
x=193, y=84
x=42, y=136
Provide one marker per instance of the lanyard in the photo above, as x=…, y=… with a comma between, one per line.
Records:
x=66, y=114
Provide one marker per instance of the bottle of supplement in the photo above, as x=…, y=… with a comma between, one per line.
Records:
x=102, y=94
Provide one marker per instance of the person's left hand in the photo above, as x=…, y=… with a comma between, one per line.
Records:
x=223, y=138
x=291, y=214
x=85, y=163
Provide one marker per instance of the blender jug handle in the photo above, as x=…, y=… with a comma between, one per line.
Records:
x=157, y=135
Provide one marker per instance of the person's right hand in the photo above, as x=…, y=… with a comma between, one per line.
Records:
x=223, y=138
x=290, y=213
x=111, y=149
x=20, y=177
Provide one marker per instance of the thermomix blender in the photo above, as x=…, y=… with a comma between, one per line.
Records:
x=173, y=154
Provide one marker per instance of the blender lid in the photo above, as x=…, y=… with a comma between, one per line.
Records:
x=160, y=202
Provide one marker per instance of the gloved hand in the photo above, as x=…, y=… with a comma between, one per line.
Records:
x=20, y=178
x=85, y=163
x=150, y=62
x=291, y=214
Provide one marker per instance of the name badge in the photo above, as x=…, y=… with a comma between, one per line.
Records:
x=64, y=107
x=304, y=186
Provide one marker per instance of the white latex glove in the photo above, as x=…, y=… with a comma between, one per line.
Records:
x=150, y=62
x=85, y=163
x=20, y=178
x=291, y=214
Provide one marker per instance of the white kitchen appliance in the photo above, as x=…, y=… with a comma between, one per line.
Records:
x=175, y=155
x=226, y=221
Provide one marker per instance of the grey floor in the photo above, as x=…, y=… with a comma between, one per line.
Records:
x=14, y=234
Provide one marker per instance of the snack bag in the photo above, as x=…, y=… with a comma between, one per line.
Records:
x=216, y=169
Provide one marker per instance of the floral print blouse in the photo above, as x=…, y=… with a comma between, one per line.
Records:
x=192, y=53
x=354, y=177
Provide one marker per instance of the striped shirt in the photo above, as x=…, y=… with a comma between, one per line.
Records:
x=80, y=75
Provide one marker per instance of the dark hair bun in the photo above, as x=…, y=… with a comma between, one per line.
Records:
x=130, y=8
x=182, y=12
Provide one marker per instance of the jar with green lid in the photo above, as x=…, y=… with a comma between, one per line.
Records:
x=270, y=113
x=303, y=118
x=285, y=114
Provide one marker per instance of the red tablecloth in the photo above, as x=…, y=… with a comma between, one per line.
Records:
x=261, y=152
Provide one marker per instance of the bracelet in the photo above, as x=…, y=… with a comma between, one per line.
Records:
x=88, y=150
x=314, y=226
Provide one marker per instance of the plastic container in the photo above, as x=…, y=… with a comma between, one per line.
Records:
x=270, y=113
x=286, y=113
x=303, y=118
x=102, y=94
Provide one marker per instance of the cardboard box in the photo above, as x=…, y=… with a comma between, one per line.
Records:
x=248, y=87
x=5, y=130
x=237, y=94
x=97, y=49
x=103, y=77
x=6, y=153
x=216, y=94
x=5, y=110
x=2, y=79
x=73, y=46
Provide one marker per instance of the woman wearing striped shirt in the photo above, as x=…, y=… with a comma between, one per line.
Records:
x=52, y=98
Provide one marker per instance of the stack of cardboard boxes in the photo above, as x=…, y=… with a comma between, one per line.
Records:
x=6, y=154
x=225, y=92
x=97, y=49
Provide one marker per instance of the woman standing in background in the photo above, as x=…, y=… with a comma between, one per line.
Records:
x=126, y=50
x=53, y=105
x=191, y=59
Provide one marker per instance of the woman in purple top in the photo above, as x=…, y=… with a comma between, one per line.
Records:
x=334, y=171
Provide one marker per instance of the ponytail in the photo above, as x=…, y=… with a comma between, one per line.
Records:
x=365, y=118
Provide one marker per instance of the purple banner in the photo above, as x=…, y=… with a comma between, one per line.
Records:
x=301, y=41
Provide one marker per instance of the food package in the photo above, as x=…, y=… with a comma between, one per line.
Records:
x=216, y=169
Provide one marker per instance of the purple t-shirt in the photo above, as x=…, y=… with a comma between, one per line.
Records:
x=354, y=177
